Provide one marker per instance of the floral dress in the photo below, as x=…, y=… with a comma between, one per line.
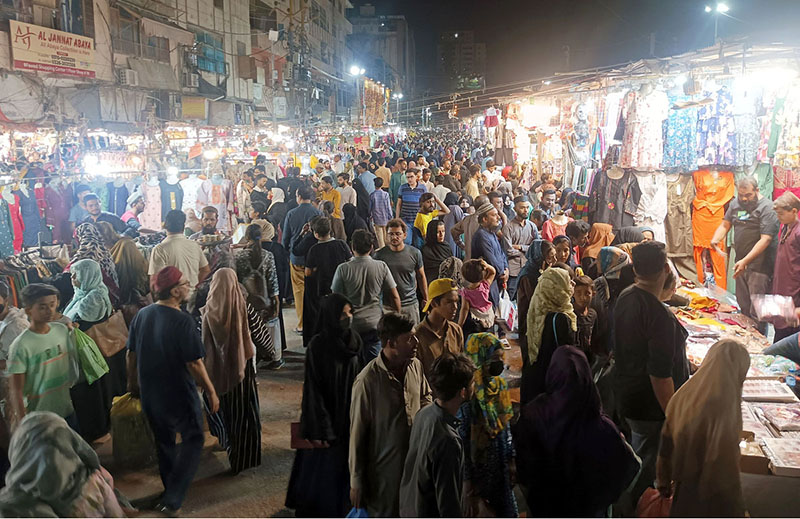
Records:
x=642, y=144
x=716, y=130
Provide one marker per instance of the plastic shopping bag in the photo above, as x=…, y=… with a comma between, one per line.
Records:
x=508, y=311
x=133, y=443
x=357, y=513
x=91, y=361
x=653, y=504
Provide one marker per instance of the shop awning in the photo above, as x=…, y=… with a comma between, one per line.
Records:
x=155, y=75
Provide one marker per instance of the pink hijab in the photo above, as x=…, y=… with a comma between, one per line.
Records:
x=226, y=335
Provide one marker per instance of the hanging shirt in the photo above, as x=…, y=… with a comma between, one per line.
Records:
x=190, y=188
x=678, y=223
x=714, y=190
x=117, y=199
x=219, y=196
x=642, y=145
x=652, y=208
x=171, y=197
x=151, y=217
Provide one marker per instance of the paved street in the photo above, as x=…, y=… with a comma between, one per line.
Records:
x=253, y=493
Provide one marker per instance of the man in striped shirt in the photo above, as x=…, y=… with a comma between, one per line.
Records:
x=408, y=200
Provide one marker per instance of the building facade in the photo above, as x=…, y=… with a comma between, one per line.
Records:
x=460, y=61
x=385, y=47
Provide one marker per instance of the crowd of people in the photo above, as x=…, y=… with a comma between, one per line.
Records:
x=405, y=266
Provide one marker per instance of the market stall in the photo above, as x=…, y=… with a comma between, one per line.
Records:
x=642, y=142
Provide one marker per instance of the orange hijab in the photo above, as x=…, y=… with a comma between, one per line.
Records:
x=600, y=235
x=226, y=335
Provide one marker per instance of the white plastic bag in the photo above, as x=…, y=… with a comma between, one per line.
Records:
x=508, y=311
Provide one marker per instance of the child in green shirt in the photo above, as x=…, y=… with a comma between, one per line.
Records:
x=42, y=363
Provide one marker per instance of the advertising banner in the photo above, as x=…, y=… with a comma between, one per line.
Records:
x=41, y=49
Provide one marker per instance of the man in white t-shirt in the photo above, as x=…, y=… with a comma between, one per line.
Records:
x=338, y=164
x=346, y=190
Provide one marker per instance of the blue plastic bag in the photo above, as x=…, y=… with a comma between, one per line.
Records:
x=357, y=513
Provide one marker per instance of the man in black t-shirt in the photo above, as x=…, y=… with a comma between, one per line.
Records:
x=165, y=364
x=755, y=226
x=650, y=355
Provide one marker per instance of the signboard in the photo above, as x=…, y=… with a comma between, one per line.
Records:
x=41, y=49
x=193, y=107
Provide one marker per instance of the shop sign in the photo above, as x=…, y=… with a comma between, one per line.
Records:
x=41, y=49
x=193, y=107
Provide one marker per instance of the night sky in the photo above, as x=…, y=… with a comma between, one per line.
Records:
x=525, y=37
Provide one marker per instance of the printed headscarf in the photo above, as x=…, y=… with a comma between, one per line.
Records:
x=611, y=261
x=553, y=294
x=91, y=247
x=491, y=405
x=90, y=301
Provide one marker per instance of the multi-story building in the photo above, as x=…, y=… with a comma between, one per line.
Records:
x=460, y=61
x=132, y=61
x=385, y=47
x=301, y=47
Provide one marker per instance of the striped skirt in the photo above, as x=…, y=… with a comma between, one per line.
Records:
x=237, y=424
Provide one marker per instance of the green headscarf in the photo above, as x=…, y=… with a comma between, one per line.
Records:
x=50, y=464
x=90, y=302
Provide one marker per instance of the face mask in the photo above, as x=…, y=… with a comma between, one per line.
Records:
x=346, y=322
x=496, y=367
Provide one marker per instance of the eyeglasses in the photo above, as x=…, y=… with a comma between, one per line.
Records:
x=395, y=233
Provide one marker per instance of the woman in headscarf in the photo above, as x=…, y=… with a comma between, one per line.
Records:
x=699, y=450
x=256, y=271
x=600, y=235
x=572, y=459
x=551, y=322
x=337, y=225
x=89, y=306
x=485, y=431
x=131, y=267
x=352, y=221
x=628, y=235
x=90, y=246
x=540, y=256
x=615, y=274
x=565, y=253
x=229, y=362
x=450, y=220
x=319, y=485
x=362, y=201
x=55, y=473
x=435, y=250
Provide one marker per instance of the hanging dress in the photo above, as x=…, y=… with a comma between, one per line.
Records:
x=17, y=225
x=30, y=216
x=151, y=217
x=6, y=234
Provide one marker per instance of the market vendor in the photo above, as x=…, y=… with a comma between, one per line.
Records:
x=96, y=214
x=755, y=226
x=130, y=217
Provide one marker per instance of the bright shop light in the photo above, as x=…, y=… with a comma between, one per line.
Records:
x=723, y=8
x=210, y=154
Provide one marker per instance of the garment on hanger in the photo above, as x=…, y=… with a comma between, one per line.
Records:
x=6, y=232
x=786, y=179
x=117, y=199
x=151, y=217
x=652, y=208
x=219, y=196
x=59, y=201
x=171, y=197
x=713, y=190
x=17, y=225
x=614, y=201
x=642, y=145
x=716, y=130
x=680, y=142
x=746, y=101
x=490, y=119
x=550, y=229
x=30, y=216
x=190, y=188
x=678, y=225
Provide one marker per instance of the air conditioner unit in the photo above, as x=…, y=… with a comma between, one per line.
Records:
x=191, y=80
x=128, y=77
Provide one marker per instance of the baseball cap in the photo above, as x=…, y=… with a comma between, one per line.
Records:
x=439, y=287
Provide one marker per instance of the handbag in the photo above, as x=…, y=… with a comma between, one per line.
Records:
x=91, y=361
x=111, y=335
